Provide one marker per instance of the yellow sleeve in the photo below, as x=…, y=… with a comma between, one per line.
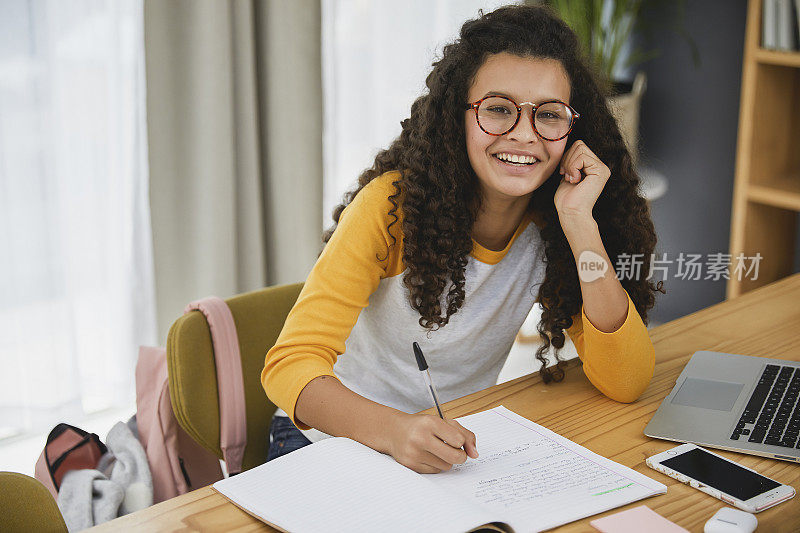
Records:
x=621, y=363
x=357, y=256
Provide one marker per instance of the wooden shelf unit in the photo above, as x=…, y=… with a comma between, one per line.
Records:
x=766, y=192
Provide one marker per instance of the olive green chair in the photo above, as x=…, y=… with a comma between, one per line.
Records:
x=27, y=505
x=259, y=318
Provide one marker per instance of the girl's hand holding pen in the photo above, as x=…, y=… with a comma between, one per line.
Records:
x=428, y=444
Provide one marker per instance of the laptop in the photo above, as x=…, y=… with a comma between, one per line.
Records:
x=734, y=402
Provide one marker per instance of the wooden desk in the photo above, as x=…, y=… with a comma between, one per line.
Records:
x=764, y=322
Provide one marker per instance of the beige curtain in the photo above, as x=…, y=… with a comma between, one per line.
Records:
x=234, y=107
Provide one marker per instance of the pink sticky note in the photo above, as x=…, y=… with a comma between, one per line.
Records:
x=636, y=520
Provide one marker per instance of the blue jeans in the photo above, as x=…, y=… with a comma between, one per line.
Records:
x=284, y=437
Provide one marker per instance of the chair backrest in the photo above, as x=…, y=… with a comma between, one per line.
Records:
x=259, y=318
x=26, y=505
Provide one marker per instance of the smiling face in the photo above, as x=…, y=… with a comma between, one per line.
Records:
x=523, y=79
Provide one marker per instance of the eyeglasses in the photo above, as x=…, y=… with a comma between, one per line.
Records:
x=497, y=115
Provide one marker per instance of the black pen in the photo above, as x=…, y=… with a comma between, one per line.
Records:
x=423, y=367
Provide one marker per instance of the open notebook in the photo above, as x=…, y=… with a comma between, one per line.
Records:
x=527, y=478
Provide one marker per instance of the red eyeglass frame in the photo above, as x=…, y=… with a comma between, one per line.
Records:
x=475, y=105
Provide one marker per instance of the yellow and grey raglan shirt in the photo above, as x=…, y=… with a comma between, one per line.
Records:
x=353, y=320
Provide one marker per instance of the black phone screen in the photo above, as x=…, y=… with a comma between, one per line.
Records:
x=722, y=475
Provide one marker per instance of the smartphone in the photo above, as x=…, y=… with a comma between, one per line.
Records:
x=721, y=478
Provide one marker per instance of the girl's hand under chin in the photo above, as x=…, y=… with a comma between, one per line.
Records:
x=584, y=178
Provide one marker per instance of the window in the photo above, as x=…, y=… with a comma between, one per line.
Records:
x=76, y=282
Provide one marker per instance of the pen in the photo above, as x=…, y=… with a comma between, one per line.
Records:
x=423, y=367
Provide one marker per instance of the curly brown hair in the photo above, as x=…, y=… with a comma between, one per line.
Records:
x=440, y=195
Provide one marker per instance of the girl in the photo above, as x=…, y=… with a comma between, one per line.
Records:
x=509, y=173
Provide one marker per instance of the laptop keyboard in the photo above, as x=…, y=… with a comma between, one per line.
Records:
x=772, y=415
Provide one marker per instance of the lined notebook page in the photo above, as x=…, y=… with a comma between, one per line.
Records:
x=535, y=479
x=338, y=484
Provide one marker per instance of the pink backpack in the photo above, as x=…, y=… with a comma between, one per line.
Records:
x=178, y=464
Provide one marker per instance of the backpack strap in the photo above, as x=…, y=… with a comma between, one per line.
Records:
x=230, y=383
